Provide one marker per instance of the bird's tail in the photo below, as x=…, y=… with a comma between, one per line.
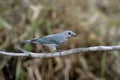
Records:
x=26, y=41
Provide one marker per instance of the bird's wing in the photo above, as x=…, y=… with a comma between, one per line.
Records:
x=50, y=39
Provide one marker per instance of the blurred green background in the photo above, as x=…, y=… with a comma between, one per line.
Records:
x=96, y=22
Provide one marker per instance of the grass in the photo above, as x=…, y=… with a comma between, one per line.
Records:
x=96, y=23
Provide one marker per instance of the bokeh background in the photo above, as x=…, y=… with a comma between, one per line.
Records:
x=96, y=22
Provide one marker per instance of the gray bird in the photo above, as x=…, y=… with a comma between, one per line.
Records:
x=53, y=40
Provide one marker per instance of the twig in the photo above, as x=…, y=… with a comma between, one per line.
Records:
x=63, y=53
x=18, y=49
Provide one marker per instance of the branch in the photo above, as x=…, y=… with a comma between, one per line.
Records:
x=22, y=52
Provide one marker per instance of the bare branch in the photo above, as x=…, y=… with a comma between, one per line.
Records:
x=63, y=53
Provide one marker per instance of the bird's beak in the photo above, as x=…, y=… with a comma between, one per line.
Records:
x=74, y=35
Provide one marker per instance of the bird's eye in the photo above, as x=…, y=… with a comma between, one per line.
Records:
x=69, y=33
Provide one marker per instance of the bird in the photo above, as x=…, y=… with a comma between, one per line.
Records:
x=54, y=40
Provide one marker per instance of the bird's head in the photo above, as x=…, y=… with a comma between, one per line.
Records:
x=69, y=34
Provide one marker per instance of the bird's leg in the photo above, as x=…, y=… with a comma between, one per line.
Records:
x=59, y=50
